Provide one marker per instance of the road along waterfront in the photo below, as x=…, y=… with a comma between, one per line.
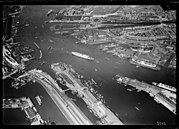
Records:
x=71, y=112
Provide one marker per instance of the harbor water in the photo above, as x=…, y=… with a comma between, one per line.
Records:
x=116, y=96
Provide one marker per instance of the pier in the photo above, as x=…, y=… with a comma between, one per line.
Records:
x=169, y=100
x=107, y=117
x=25, y=104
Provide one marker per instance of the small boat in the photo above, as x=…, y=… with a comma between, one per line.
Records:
x=26, y=24
x=42, y=63
x=129, y=89
x=51, y=41
x=93, y=81
x=38, y=100
x=137, y=108
x=49, y=12
x=154, y=83
x=138, y=90
x=49, y=48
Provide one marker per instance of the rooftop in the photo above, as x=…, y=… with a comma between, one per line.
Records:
x=30, y=112
x=146, y=56
x=128, y=52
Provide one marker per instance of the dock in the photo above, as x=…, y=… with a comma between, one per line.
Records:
x=27, y=106
x=63, y=72
x=156, y=92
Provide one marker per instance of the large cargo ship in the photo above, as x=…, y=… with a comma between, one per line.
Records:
x=145, y=64
x=164, y=86
x=82, y=55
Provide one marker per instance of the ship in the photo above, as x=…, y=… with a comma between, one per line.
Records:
x=145, y=64
x=164, y=86
x=38, y=100
x=129, y=89
x=82, y=55
x=137, y=108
